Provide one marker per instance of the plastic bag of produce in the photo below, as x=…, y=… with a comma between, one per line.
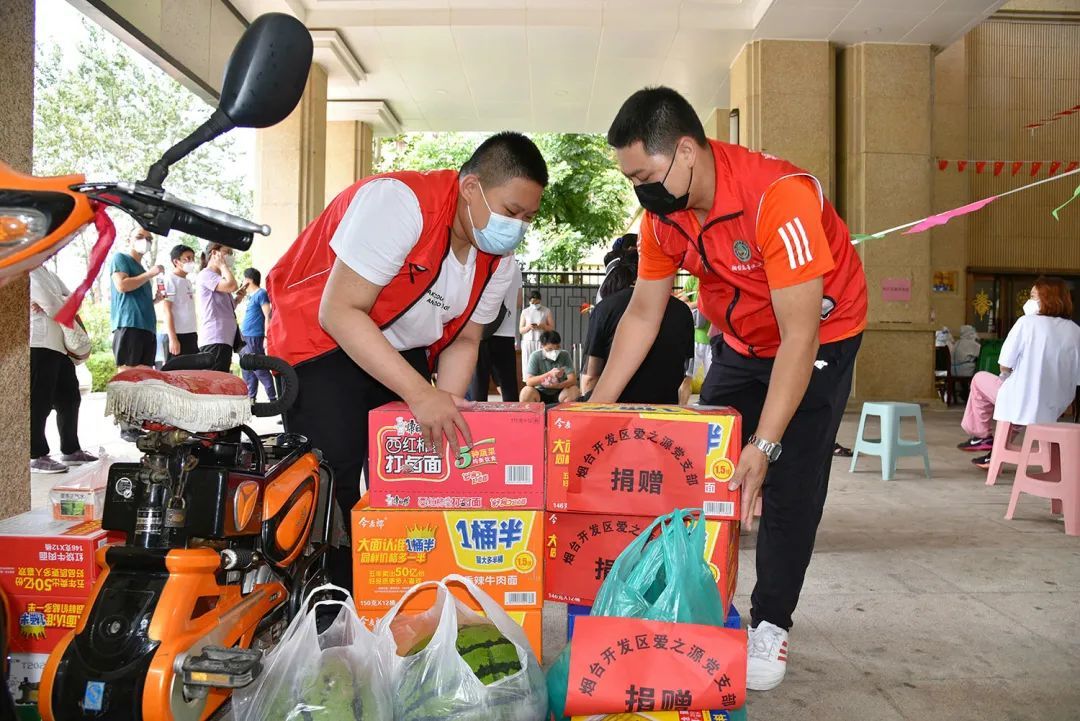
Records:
x=665, y=578
x=450, y=663
x=310, y=676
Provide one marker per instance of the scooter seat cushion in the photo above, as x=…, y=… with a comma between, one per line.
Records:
x=195, y=401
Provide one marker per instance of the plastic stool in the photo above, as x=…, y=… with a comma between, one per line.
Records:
x=1060, y=482
x=1006, y=451
x=891, y=446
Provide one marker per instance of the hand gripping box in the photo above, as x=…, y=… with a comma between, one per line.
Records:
x=49, y=558
x=580, y=549
x=504, y=469
x=642, y=460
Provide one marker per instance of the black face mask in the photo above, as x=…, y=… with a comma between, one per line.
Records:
x=655, y=198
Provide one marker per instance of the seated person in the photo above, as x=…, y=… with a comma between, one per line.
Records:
x=663, y=371
x=965, y=353
x=1040, y=370
x=550, y=375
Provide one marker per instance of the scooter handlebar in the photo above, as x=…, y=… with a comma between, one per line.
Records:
x=290, y=385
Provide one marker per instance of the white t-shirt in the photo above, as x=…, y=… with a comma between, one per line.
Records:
x=1044, y=354
x=533, y=314
x=381, y=225
x=181, y=294
x=49, y=292
x=508, y=328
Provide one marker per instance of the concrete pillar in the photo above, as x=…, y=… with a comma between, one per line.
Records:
x=948, y=243
x=291, y=172
x=349, y=151
x=886, y=170
x=16, y=145
x=785, y=91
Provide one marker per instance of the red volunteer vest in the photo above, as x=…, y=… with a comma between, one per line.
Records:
x=297, y=280
x=734, y=290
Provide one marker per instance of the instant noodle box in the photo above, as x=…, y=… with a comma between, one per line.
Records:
x=502, y=470
x=24, y=680
x=395, y=549
x=580, y=549
x=38, y=623
x=644, y=460
x=736, y=715
x=49, y=558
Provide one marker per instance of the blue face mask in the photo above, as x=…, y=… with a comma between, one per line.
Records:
x=502, y=235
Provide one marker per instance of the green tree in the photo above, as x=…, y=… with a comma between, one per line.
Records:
x=104, y=112
x=586, y=204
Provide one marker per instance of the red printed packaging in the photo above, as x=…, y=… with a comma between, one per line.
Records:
x=642, y=460
x=49, y=558
x=39, y=622
x=580, y=548
x=503, y=470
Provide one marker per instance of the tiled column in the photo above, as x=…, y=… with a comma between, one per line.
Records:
x=291, y=162
x=16, y=144
x=886, y=171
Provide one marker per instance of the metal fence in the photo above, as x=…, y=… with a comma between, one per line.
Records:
x=565, y=292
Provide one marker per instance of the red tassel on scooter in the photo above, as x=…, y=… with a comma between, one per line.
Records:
x=106, y=235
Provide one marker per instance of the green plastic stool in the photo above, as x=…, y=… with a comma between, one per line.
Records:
x=891, y=446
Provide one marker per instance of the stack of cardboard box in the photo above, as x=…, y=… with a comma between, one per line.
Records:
x=475, y=512
x=47, y=572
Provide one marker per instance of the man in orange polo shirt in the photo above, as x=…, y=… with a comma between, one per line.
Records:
x=781, y=281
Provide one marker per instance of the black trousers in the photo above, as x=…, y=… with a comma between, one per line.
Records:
x=222, y=353
x=796, y=485
x=53, y=386
x=495, y=357
x=332, y=409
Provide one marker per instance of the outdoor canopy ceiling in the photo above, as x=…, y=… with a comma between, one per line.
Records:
x=567, y=65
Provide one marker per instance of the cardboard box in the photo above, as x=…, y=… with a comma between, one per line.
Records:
x=79, y=500
x=503, y=470
x=395, y=549
x=531, y=621
x=49, y=558
x=736, y=715
x=581, y=548
x=23, y=683
x=644, y=460
x=39, y=622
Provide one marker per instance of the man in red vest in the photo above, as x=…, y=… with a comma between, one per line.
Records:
x=390, y=284
x=781, y=281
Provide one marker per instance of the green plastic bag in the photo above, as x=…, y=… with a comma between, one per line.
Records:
x=666, y=579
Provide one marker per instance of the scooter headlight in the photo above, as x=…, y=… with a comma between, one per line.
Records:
x=20, y=227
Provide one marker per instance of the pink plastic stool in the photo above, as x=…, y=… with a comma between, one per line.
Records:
x=1007, y=451
x=1060, y=482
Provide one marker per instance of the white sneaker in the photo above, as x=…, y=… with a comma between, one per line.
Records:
x=766, y=656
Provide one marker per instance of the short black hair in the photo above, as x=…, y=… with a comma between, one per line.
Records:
x=253, y=275
x=550, y=336
x=178, y=251
x=657, y=117
x=625, y=241
x=621, y=277
x=505, y=156
x=535, y=294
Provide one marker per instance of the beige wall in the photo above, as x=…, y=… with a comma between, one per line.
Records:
x=349, y=150
x=189, y=39
x=1017, y=74
x=16, y=144
x=718, y=125
x=785, y=91
x=1053, y=6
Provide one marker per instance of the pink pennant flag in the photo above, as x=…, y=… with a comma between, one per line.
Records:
x=961, y=165
x=943, y=218
x=1054, y=166
x=999, y=165
x=980, y=166
x=1073, y=166
x=1016, y=166
x=1035, y=168
x=942, y=164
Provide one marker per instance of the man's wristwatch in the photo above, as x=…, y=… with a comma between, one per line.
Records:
x=771, y=450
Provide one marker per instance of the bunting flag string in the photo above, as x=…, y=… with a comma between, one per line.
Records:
x=998, y=166
x=1053, y=118
x=931, y=221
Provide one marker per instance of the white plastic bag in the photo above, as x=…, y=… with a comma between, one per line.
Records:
x=310, y=676
x=437, y=683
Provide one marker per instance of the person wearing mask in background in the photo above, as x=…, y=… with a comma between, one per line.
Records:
x=392, y=282
x=214, y=287
x=780, y=278
x=535, y=319
x=178, y=305
x=965, y=353
x=53, y=385
x=497, y=355
x=1040, y=370
x=624, y=246
x=550, y=376
x=253, y=330
x=660, y=377
x=132, y=304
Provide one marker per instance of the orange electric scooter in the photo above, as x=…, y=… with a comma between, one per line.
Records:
x=226, y=530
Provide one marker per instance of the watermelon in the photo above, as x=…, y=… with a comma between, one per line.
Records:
x=490, y=656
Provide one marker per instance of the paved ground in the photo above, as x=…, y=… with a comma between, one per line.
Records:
x=921, y=602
